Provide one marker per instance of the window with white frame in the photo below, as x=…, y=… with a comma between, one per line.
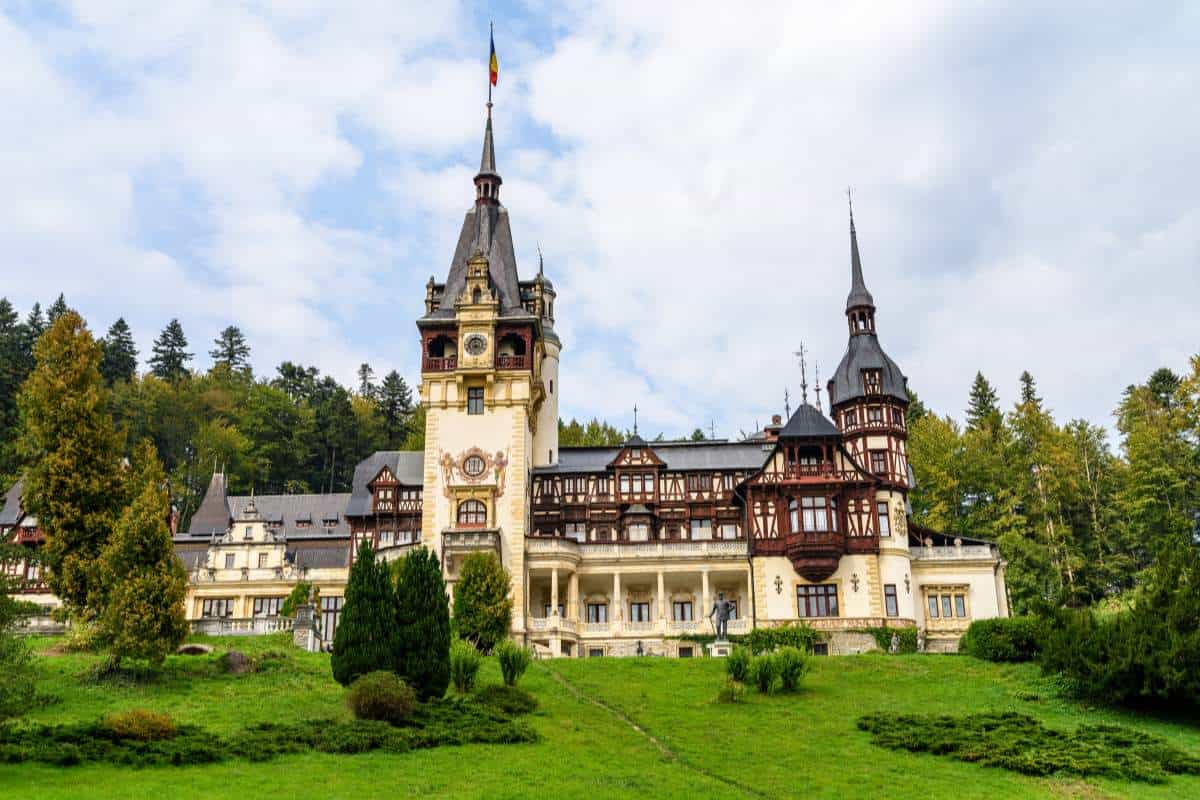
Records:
x=701, y=529
x=885, y=522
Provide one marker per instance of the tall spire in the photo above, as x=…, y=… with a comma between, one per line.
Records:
x=487, y=163
x=859, y=296
x=817, y=377
x=803, y=375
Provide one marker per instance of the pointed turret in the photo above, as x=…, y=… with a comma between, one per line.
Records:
x=487, y=182
x=859, y=297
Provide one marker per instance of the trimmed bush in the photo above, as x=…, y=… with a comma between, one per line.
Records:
x=791, y=665
x=367, y=638
x=508, y=700
x=423, y=615
x=381, y=696
x=514, y=660
x=482, y=601
x=1003, y=639
x=464, y=665
x=766, y=640
x=763, y=672
x=737, y=664
x=140, y=724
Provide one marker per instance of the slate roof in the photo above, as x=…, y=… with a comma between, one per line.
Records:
x=320, y=557
x=808, y=422
x=864, y=352
x=218, y=509
x=859, y=296
x=12, y=504
x=192, y=557
x=677, y=455
x=213, y=514
x=407, y=465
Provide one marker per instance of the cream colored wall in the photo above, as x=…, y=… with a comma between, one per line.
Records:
x=545, y=441
x=894, y=567
x=983, y=600
x=228, y=583
x=776, y=606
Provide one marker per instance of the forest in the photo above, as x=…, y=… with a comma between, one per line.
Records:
x=1079, y=518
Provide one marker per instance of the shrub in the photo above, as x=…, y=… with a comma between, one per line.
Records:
x=907, y=642
x=367, y=638
x=763, y=672
x=423, y=617
x=302, y=593
x=737, y=664
x=791, y=665
x=464, y=665
x=765, y=640
x=731, y=692
x=1003, y=639
x=140, y=725
x=381, y=696
x=514, y=660
x=510, y=700
x=482, y=601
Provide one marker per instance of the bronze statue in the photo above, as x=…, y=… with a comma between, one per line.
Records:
x=723, y=610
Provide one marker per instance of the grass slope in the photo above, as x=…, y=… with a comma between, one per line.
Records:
x=610, y=728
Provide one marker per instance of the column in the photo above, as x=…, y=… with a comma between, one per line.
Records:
x=554, y=591
x=662, y=604
x=705, y=603
x=614, y=611
x=748, y=611
x=573, y=596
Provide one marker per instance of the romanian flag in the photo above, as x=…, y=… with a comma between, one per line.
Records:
x=493, y=64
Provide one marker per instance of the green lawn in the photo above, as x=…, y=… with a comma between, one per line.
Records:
x=776, y=746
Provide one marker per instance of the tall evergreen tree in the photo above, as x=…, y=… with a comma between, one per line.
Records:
x=73, y=479
x=120, y=356
x=170, y=358
x=395, y=401
x=482, y=601
x=230, y=350
x=916, y=409
x=366, y=381
x=1029, y=393
x=12, y=374
x=1163, y=385
x=298, y=382
x=423, y=616
x=142, y=615
x=57, y=309
x=35, y=324
x=367, y=638
x=983, y=409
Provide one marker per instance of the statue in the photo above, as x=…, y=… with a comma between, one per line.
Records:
x=641, y=651
x=723, y=609
x=920, y=640
x=894, y=647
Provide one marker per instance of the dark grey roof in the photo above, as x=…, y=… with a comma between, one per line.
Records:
x=487, y=162
x=213, y=514
x=291, y=509
x=192, y=557
x=407, y=465
x=320, y=557
x=676, y=455
x=864, y=352
x=859, y=296
x=809, y=422
x=11, y=512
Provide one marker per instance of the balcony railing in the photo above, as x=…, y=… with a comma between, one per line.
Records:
x=558, y=624
x=511, y=362
x=226, y=626
x=471, y=540
x=431, y=364
x=966, y=552
x=554, y=545
x=822, y=469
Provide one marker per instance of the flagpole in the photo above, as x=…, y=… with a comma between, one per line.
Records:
x=492, y=40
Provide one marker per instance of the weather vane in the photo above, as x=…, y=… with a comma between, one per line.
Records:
x=803, y=375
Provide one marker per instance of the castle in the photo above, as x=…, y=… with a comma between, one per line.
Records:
x=612, y=550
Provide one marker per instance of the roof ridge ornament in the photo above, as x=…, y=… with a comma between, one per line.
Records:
x=803, y=376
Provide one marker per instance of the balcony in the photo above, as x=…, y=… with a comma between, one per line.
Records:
x=966, y=552
x=447, y=364
x=558, y=546
x=226, y=626
x=816, y=555
x=512, y=362
x=822, y=469
x=469, y=540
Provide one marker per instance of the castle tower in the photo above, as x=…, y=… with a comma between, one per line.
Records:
x=489, y=374
x=868, y=398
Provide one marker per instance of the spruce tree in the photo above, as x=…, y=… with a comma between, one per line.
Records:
x=482, y=604
x=120, y=355
x=366, y=381
x=983, y=408
x=12, y=373
x=170, y=358
x=423, y=614
x=1029, y=390
x=230, y=350
x=73, y=480
x=366, y=639
x=395, y=400
x=144, y=582
x=57, y=309
x=916, y=409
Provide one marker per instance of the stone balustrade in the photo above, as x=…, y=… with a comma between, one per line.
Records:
x=557, y=546
x=965, y=552
x=227, y=626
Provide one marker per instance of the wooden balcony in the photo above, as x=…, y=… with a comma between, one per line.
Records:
x=512, y=362
x=821, y=470
x=816, y=555
x=447, y=364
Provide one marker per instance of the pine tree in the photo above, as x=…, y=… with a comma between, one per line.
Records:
x=1029, y=390
x=983, y=408
x=12, y=373
x=482, y=603
x=230, y=350
x=1163, y=384
x=120, y=355
x=73, y=480
x=170, y=358
x=916, y=409
x=57, y=309
x=423, y=614
x=367, y=638
x=299, y=383
x=366, y=381
x=395, y=400
x=144, y=582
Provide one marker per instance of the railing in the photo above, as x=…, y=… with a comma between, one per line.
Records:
x=256, y=626
x=683, y=626
x=821, y=469
x=640, y=627
x=552, y=623
x=396, y=546
x=560, y=546
x=510, y=362
x=471, y=540
x=595, y=627
x=431, y=364
x=960, y=553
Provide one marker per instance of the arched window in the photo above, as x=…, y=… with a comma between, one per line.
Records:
x=476, y=296
x=472, y=514
x=794, y=515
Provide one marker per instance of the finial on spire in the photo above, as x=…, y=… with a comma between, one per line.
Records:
x=787, y=404
x=712, y=428
x=803, y=375
x=541, y=264
x=859, y=296
x=817, y=377
x=635, y=413
x=850, y=202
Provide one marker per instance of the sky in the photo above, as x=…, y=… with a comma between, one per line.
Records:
x=1023, y=181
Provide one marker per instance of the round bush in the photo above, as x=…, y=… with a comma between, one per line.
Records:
x=381, y=696
x=791, y=665
x=737, y=664
x=508, y=700
x=763, y=672
x=140, y=724
x=1003, y=639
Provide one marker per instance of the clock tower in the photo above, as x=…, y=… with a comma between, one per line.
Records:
x=489, y=385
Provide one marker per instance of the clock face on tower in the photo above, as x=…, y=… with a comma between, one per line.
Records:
x=475, y=344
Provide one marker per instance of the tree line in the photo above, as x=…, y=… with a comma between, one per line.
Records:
x=294, y=431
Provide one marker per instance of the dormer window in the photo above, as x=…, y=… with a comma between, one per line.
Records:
x=249, y=532
x=872, y=381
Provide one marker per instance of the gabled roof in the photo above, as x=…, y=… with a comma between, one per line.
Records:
x=407, y=465
x=808, y=422
x=676, y=456
x=12, y=513
x=213, y=514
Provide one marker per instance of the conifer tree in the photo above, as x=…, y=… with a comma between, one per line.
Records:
x=916, y=408
x=120, y=355
x=423, y=614
x=367, y=638
x=142, y=614
x=395, y=401
x=1029, y=390
x=12, y=373
x=482, y=604
x=230, y=350
x=983, y=407
x=366, y=381
x=170, y=358
x=57, y=309
x=73, y=479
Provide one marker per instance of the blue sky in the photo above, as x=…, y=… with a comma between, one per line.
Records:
x=1023, y=185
